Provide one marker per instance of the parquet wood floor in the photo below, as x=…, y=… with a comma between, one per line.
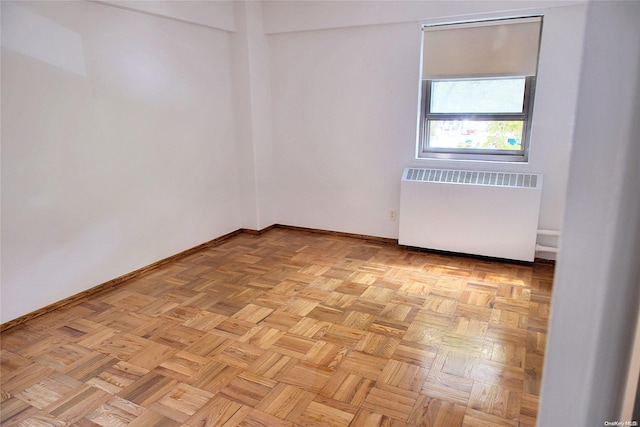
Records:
x=290, y=328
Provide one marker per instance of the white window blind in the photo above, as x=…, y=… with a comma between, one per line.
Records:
x=506, y=47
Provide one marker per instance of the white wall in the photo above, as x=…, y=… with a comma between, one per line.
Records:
x=596, y=292
x=118, y=145
x=217, y=14
x=252, y=102
x=345, y=84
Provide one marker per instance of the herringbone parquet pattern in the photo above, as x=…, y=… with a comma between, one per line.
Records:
x=290, y=329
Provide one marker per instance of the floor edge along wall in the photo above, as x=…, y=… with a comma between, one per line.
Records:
x=79, y=297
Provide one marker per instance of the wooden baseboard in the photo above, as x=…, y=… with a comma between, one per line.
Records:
x=79, y=297
x=254, y=232
x=339, y=233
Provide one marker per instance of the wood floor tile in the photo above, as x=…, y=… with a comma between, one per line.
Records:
x=253, y=313
x=78, y=403
x=507, y=376
x=43, y=419
x=115, y=378
x=474, y=418
x=282, y=320
x=181, y=402
x=215, y=376
x=456, y=363
x=262, y=336
x=182, y=366
x=122, y=346
x=89, y=366
x=272, y=364
x=153, y=419
x=508, y=354
x=39, y=347
x=377, y=344
x=13, y=411
x=364, y=365
x=318, y=415
x=429, y=411
x=178, y=336
x=305, y=375
x=209, y=344
x=205, y=321
x=239, y=354
x=286, y=402
x=368, y=418
x=96, y=337
x=403, y=375
x=216, y=412
x=495, y=400
x=248, y=389
x=347, y=388
x=233, y=328
x=293, y=345
x=255, y=418
x=326, y=313
x=147, y=389
x=326, y=354
x=391, y=401
x=450, y=388
x=529, y=408
x=416, y=354
x=290, y=328
x=48, y=391
x=341, y=335
x=152, y=355
x=116, y=412
x=24, y=377
x=10, y=361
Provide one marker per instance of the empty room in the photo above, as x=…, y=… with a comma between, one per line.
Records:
x=320, y=213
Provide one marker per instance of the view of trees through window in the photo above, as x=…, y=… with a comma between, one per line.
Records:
x=502, y=135
x=473, y=113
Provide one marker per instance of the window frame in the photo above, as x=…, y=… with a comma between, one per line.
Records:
x=426, y=152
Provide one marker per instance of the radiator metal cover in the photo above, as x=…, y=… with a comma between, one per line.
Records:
x=473, y=212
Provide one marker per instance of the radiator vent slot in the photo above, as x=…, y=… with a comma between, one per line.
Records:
x=451, y=176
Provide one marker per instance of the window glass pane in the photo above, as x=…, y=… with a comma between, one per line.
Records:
x=488, y=135
x=477, y=96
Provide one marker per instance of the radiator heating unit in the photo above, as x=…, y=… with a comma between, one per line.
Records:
x=492, y=214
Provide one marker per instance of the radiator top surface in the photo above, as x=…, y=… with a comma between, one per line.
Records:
x=452, y=176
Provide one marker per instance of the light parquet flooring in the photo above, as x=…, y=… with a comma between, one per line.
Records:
x=290, y=328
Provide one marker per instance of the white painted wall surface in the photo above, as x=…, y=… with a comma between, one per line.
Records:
x=215, y=14
x=345, y=85
x=344, y=113
x=117, y=145
x=283, y=16
x=252, y=102
x=596, y=293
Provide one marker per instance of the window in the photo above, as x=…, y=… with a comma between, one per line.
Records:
x=478, y=85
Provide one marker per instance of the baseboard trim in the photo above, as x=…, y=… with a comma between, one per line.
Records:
x=255, y=232
x=79, y=297
x=338, y=233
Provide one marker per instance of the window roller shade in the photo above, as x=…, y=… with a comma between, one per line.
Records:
x=497, y=48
